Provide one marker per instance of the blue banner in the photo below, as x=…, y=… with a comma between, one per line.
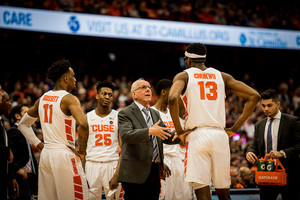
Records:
x=145, y=29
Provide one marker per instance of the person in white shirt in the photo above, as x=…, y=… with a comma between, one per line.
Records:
x=173, y=188
x=278, y=135
x=102, y=153
x=203, y=92
x=61, y=174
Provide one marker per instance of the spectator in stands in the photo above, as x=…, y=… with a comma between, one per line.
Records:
x=131, y=11
x=234, y=177
x=246, y=178
x=238, y=13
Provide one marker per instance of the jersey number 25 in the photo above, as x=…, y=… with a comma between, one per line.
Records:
x=100, y=137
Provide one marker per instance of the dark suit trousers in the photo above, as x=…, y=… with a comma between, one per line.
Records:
x=24, y=187
x=146, y=191
x=3, y=179
x=288, y=192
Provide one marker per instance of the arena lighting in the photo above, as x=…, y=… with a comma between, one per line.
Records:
x=145, y=29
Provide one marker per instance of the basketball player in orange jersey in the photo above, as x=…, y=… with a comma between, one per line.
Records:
x=102, y=153
x=173, y=187
x=203, y=90
x=61, y=175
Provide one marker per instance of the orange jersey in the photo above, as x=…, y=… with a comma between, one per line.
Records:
x=103, y=137
x=170, y=150
x=58, y=128
x=204, y=98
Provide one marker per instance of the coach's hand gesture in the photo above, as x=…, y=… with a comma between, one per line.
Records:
x=159, y=131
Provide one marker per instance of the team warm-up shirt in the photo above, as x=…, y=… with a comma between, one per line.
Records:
x=206, y=92
x=169, y=150
x=58, y=128
x=103, y=137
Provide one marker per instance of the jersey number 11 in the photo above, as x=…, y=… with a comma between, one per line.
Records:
x=46, y=118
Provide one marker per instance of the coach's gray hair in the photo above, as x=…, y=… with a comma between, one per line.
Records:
x=134, y=84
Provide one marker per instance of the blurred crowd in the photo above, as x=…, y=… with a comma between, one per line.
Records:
x=264, y=14
x=29, y=88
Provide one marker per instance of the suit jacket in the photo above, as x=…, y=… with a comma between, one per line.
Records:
x=18, y=145
x=4, y=157
x=137, y=147
x=288, y=141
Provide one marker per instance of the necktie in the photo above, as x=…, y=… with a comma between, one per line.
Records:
x=153, y=138
x=269, y=136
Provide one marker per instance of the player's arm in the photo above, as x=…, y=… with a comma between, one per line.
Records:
x=84, y=159
x=113, y=183
x=179, y=84
x=181, y=109
x=25, y=125
x=74, y=107
x=242, y=90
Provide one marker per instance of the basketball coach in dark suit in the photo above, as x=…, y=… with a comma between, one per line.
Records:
x=278, y=135
x=142, y=133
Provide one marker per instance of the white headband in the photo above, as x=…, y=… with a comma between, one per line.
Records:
x=192, y=55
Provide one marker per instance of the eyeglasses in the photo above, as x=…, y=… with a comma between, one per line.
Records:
x=144, y=87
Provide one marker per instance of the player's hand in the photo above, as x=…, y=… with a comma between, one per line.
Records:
x=76, y=151
x=119, y=149
x=183, y=140
x=175, y=136
x=230, y=132
x=167, y=170
x=159, y=131
x=185, y=132
x=251, y=157
x=113, y=183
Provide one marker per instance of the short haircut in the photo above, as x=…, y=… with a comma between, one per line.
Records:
x=163, y=84
x=134, y=84
x=58, y=68
x=270, y=94
x=16, y=110
x=198, y=49
x=105, y=83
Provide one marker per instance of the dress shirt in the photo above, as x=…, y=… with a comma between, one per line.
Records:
x=141, y=109
x=274, y=129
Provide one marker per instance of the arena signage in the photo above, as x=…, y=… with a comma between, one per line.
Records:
x=145, y=29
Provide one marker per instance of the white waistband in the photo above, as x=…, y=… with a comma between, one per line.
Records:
x=57, y=146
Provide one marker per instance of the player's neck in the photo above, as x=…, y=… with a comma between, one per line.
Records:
x=60, y=87
x=200, y=66
x=102, y=111
x=161, y=106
